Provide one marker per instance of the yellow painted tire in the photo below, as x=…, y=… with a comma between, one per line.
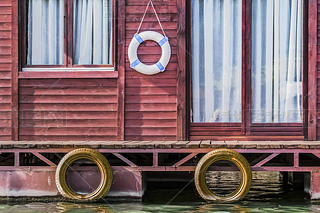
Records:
x=99, y=160
x=227, y=155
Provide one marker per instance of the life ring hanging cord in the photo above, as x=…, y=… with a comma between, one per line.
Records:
x=163, y=42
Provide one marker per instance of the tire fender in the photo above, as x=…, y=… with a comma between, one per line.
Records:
x=99, y=160
x=218, y=155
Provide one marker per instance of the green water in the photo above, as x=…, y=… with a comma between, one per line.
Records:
x=267, y=194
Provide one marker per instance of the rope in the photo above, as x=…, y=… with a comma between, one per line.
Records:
x=155, y=12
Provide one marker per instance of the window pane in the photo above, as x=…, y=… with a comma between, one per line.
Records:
x=276, y=61
x=45, y=35
x=92, y=32
x=216, y=60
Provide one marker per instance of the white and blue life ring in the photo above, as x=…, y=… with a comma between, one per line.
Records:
x=137, y=65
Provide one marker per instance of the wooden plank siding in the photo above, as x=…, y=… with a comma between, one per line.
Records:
x=5, y=69
x=52, y=106
x=314, y=65
x=151, y=101
x=126, y=105
x=68, y=109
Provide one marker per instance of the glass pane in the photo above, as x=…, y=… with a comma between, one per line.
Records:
x=276, y=61
x=92, y=32
x=216, y=60
x=45, y=35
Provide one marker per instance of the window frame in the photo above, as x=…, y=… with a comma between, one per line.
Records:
x=68, y=43
x=247, y=130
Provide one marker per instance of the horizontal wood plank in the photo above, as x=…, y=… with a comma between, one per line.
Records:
x=151, y=115
x=150, y=131
x=152, y=107
x=62, y=83
x=51, y=131
x=73, y=107
x=170, y=99
x=66, y=115
x=145, y=2
x=69, y=74
x=67, y=138
x=70, y=123
x=160, y=9
x=159, y=123
x=95, y=91
x=67, y=99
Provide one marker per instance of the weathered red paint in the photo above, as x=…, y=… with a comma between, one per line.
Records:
x=312, y=69
x=6, y=67
x=128, y=178
x=127, y=182
x=313, y=184
x=23, y=183
x=151, y=101
x=192, y=151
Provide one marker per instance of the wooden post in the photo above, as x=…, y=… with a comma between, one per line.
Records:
x=14, y=76
x=181, y=81
x=121, y=65
x=312, y=70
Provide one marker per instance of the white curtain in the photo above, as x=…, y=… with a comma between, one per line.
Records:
x=216, y=60
x=92, y=32
x=276, y=61
x=45, y=32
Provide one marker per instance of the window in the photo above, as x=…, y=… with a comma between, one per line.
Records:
x=67, y=33
x=246, y=62
x=276, y=61
x=216, y=61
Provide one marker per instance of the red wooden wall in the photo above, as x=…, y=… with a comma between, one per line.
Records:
x=316, y=59
x=68, y=109
x=77, y=107
x=124, y=105
x=151, y=101
x=5, y=68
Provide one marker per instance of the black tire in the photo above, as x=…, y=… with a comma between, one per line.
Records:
x=99, y=160
x=218, y=155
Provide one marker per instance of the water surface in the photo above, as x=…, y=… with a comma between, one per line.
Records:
x=267, y=194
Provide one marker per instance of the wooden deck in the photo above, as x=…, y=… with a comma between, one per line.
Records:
x=161, y=144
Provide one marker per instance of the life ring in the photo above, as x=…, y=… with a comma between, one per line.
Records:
x=136, y=64
x=99, y=160
x=219, y=155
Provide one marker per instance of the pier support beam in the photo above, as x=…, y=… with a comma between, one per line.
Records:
x=127, y=183
x=27, y=183
x=312, y=184
x=296, y=179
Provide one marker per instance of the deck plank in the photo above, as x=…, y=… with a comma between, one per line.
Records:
x=180, y=144
x=207, y=144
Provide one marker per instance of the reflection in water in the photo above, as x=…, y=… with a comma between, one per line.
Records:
x=72, y=207
x=56, y=207
x=223, y=183
x=181, y=207
x=266, y=195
